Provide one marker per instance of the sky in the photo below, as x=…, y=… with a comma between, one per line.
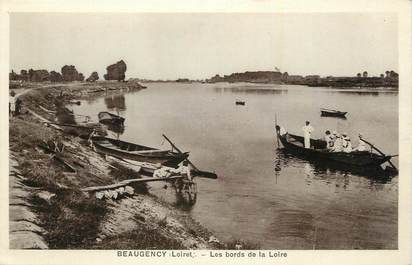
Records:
x=200, y=45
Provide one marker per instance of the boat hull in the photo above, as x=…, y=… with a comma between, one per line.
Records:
x=110, y=119
x=359, y=160
x=333, y=114
x=130, y=151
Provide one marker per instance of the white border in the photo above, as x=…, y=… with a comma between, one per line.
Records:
x=402, y=8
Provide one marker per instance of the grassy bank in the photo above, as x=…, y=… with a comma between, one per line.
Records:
x=60, y=163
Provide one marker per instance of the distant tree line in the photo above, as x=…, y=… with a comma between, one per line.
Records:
x=69, y=73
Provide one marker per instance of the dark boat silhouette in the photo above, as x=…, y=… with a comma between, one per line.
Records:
x=332, y=113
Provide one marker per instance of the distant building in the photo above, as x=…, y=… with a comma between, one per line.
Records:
x=312, y=77
x=285, y=76
x=295, y=79
x=252, y=77
x=183, y=80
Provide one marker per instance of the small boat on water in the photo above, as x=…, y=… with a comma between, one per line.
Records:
x=356, y=159
x=110, y=118
x=240, y=102
x=136, y=152
x=332, y=113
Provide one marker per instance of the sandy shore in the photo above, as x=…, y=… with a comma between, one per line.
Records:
x=57, y=214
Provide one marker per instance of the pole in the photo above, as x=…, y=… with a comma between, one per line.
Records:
x=379, y=151
x=276, y=124
x=201, y=172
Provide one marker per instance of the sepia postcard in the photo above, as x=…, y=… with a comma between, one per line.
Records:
x=222, y=131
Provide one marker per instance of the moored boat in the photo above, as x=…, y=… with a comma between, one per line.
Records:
x=356, y=159
x=110, y=118
x=332, y=113
x=122, y=149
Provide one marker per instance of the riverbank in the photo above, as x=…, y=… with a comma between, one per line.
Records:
x=54, y=161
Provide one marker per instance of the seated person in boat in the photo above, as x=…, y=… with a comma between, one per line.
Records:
x=282, y=131
x=361, y=146
x=346, y=144
x=337, y=145
x=329, y=139
x=162, y=172
x=184, y=170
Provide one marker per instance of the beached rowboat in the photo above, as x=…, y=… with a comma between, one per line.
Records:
x=122, y=149
x=332, y=113
x=110, y=118
x=357, y=159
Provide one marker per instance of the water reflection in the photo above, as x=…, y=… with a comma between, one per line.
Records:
x=364, y=93
x=116, y=128
x=115, y=102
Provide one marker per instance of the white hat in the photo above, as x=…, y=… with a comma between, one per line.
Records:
x=335, y=133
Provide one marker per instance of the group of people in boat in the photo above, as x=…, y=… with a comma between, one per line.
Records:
x=335, y=142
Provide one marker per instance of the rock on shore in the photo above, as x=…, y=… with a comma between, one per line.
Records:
x=116, y=71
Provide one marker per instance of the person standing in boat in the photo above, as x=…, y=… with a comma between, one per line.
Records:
x=307, y=131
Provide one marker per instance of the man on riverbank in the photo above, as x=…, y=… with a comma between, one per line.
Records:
x=12, y=104
x=307, y=131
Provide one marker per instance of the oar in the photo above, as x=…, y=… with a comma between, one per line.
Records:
x=70, y=125
x=379, y=151
x=197, y=172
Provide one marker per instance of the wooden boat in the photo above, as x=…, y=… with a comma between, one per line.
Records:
x=110, y=118
x=83, y=130
x=332, y=113
x=357, y=159
x=122, y=149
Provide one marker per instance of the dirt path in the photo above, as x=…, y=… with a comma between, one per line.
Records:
x=24, y=227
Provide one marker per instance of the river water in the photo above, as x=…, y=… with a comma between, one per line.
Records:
x=263, y=195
